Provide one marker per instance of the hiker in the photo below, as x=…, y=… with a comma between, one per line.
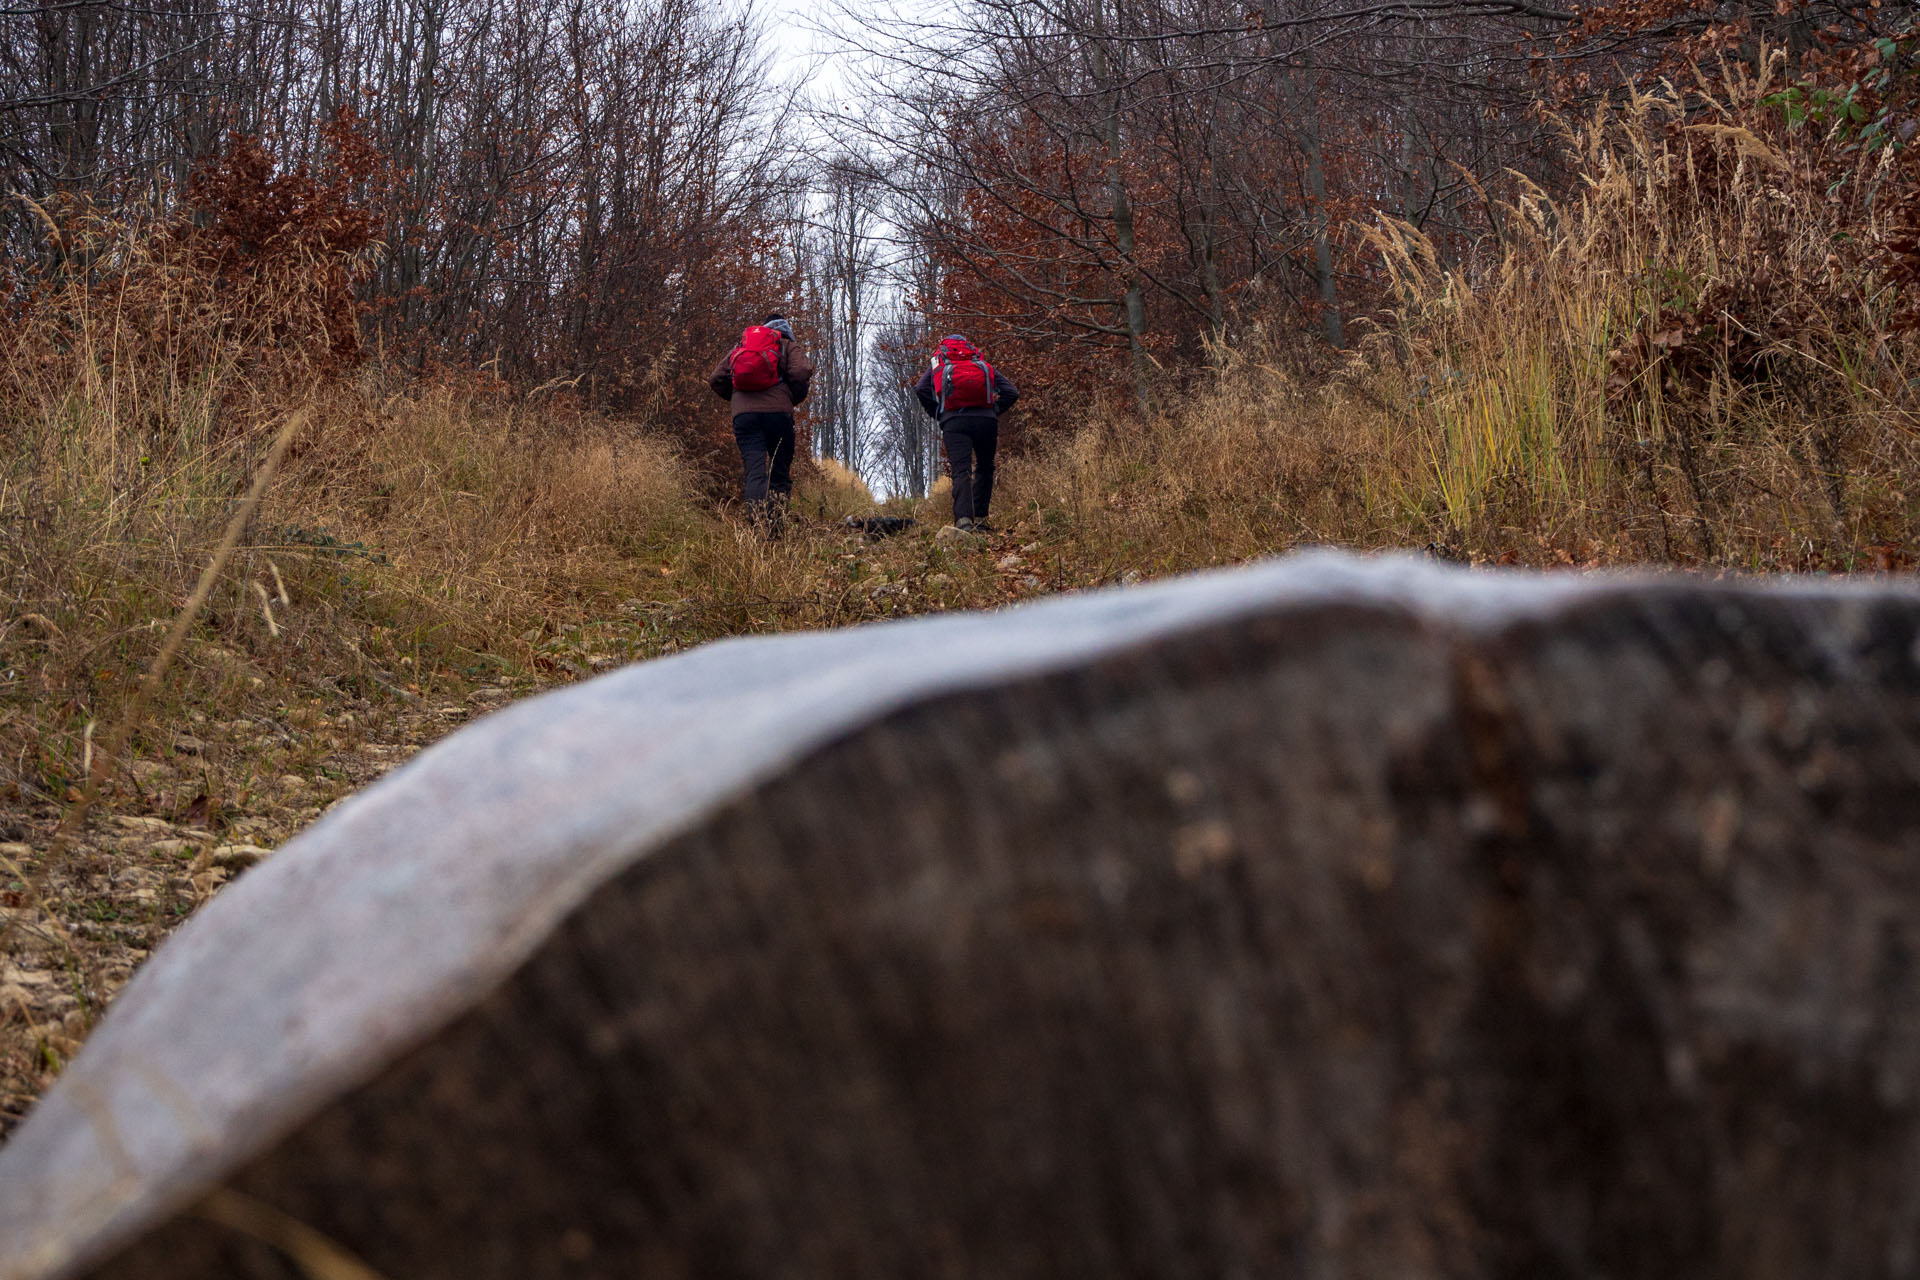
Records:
x=764, y=376
x=967, y=396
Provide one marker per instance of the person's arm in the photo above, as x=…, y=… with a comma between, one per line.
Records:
x=721, y=379
x=1004, y=392
x=923, y=390
x=799, y=375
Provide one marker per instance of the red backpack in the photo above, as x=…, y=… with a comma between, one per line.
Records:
x=963, y=380
x=756, y=361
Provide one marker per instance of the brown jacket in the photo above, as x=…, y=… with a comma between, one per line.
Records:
x=781, y=397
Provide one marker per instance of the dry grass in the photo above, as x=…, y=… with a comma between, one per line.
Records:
x=1685, y=364
x=418, y=540
x=411, y=534
x=478, y=514
x=1675, y=366
x=1678, y=366
x=1251, y=464
x=1681, y=365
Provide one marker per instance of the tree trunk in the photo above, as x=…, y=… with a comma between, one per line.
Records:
x=1330, y=325
x=1120, y=206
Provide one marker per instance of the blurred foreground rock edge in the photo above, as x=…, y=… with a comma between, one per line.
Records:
x=1336, y=934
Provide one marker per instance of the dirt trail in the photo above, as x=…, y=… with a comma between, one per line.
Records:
x=206, y=797
x=214, y=798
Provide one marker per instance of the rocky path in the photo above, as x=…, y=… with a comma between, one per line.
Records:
x=206, y=800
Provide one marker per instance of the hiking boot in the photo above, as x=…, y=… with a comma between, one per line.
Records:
x=964, y=524
x=980, y=525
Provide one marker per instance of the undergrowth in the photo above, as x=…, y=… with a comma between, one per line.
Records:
x=1701, y=357
x=1698, y=358
x=1704, y=357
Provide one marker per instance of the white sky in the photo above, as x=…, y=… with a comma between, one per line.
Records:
x=808, y=57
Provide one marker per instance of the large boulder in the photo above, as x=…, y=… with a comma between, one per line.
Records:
x=1324, y=918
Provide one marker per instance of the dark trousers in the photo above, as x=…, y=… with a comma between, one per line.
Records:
x=970, y=445
x=762, y=436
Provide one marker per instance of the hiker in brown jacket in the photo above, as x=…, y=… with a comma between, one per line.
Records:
x=764, y=377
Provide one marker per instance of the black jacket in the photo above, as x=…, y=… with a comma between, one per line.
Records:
x=1004, y=395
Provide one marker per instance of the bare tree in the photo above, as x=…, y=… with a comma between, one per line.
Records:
x=906, y=451
x=843, y=289
x=1133, y=175
x=567, y=189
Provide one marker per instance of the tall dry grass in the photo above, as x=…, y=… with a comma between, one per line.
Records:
x=1688, y=361
x=417, y=528
x=474, y=512
x=1682, y=362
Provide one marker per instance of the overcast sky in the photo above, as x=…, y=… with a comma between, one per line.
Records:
x=808, y=56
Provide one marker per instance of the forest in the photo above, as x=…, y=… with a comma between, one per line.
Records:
x=587, y=201
x=355, y=351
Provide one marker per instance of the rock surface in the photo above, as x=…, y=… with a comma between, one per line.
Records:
x=1326, y=917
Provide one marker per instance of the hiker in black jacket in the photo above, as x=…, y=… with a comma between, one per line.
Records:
x=967, y=396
